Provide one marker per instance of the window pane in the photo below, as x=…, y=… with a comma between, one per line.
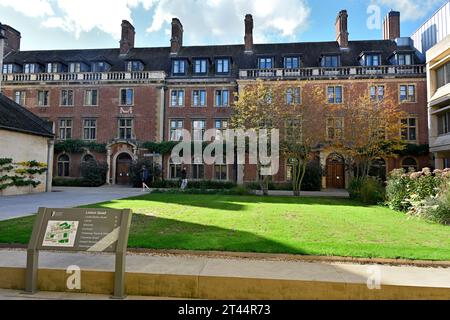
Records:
x=338, y=94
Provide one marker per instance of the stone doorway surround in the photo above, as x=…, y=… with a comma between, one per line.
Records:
x=114, y=150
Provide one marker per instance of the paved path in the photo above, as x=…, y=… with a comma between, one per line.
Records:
x=237, y=268
x=25, y=205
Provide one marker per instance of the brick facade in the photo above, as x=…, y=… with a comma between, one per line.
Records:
x=154, y=81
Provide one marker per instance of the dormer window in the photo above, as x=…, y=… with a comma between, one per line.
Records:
x=371, y=60
x=291, y=62
x=11, y=68
x=100, y=66
x=200, y=66
x=265, y=63
x=223, y=66
x=133, y=66
x=179, y=67
x=330, y=61
x=31, y=68
x=54, y=67
x=76, y=67
x=404, y=59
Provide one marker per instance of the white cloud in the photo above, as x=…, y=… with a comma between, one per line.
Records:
x=411, y=10
x=31, y=8
x=219, y=21
x=223, y=20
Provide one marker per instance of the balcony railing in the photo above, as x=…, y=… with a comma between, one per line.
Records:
x=307, y=73
x=84, y=76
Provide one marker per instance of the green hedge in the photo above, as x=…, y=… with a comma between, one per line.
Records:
x=79, y=146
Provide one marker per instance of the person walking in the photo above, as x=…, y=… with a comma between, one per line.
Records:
x=184, y=181
x=144, y=178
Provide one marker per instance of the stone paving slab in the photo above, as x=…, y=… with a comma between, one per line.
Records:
x=237, y=268
x=61, y=197
x=6, y=294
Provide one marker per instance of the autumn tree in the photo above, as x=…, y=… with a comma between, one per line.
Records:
x=372, y=127
x=280, y=105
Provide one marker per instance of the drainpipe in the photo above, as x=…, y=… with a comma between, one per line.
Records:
x=2, y=49
x=50, y=156
x=163, y=128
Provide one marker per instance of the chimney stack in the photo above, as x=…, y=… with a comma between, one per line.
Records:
x=248, y=33
x=391, y=26
x=127, y=38
x=176, y=42
x=342, y=29
x=11, y=38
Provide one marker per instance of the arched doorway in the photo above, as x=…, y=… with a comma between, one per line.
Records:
x=123, y=169
x=335, y=172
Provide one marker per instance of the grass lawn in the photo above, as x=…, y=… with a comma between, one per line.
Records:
x=307, y=226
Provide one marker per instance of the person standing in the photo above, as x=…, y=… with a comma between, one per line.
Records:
x=184, y=181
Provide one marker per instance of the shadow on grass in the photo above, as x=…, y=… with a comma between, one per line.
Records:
x=150, y=232
x=238, y=203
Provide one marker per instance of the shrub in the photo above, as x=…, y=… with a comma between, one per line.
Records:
x=405, y=189
x=367, y=190
x=397, y=190
x=422, y=194
x=434, y=208
x=93, y=173
x=67, y=182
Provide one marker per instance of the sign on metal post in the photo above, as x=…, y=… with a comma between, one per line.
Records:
x=74, y=230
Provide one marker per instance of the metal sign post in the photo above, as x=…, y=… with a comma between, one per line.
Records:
x=78, y=230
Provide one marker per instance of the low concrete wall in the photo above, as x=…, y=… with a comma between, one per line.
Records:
x=209, y=287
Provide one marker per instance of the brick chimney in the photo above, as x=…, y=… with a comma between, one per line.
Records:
x=176, y=42
x=342, y=29
x=248, y=33
x=127, y=38
x=391, y=26
x=11, y=39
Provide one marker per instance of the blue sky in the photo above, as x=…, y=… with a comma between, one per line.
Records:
x=63, y=24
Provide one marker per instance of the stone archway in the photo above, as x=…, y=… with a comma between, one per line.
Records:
x=114, y=151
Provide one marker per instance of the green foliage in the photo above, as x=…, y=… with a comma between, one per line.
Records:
x=433, y=208
x=23, y=176
x=79, y=146
x=415, y=150
x=93, y=173
x=154, y=172
x=4, y=161
x=68, y=182
x=422, y=194
x=367, y=190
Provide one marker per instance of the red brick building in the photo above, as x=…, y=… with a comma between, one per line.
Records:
x=127, y=96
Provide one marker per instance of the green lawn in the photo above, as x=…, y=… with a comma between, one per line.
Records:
x=307, y=226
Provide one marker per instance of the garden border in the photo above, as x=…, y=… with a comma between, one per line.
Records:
x=277, y=257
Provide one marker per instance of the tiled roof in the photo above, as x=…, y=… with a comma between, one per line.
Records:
x=14, y=117
x=159, y=59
